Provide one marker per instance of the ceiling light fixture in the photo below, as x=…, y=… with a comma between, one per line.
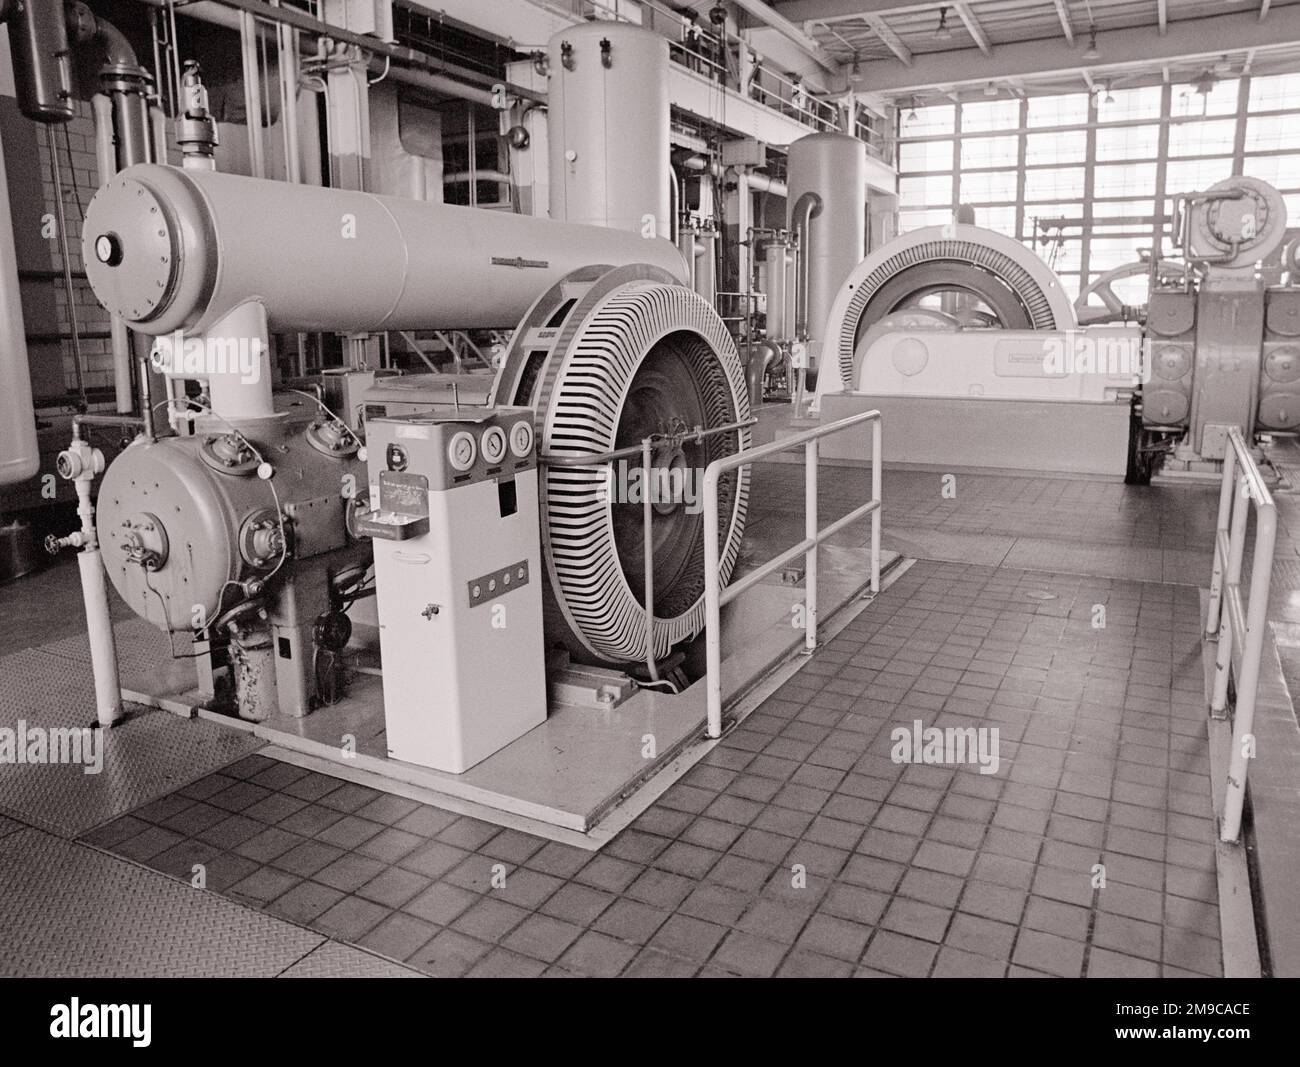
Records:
x=943, y=33
x=1092, y=52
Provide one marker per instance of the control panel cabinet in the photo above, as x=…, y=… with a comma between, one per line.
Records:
x=458, y=582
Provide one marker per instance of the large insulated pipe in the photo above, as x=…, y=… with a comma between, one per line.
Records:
x=20, y=454
x=833, y=166
x=172, y=249
x=607, y=127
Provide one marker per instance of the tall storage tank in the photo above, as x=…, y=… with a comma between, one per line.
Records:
x=19, y=452
x=607, y=127
x=834, y=166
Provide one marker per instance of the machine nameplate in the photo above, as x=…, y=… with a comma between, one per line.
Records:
x=518, y=261
x=407, y=494
x=497, y=583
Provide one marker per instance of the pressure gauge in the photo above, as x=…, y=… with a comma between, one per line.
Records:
x=521, y=438
x=494, y=444
x=462, y=450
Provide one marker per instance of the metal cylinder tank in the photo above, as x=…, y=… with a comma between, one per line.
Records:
x=19, y=452
x=171, y=249
x=38, y=41
x=607, y=127
x=833, y=166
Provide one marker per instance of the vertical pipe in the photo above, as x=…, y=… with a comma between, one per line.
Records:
x=101, y=107
x=252, y=93
x=877, y=464
x=473, y=153
x=56, y=172
x=158, y=135
x=712, y=604
x=810, y=534
x=647, y=517
x=1247, y=685
x=99, y=631
x=288, y=68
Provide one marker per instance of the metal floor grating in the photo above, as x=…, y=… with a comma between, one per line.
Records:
x=150, y=755
x=333, y=960
x=109, y=917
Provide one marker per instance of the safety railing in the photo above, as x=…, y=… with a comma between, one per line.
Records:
x=715, y=596
x=646, y=452
x=1240, y=625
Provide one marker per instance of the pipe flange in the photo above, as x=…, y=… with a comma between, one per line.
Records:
x=229, y=453
x=143, y=540
x=262, y=540
x=332, y=438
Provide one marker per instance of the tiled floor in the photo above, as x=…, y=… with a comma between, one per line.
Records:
x=799, y=846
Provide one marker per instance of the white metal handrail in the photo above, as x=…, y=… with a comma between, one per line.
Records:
x=1235, y=622
x=715, y=596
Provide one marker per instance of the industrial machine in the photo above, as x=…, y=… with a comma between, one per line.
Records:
x=253, y=525
x=961, y=327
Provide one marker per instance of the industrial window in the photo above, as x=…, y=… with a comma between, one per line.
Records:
x=1085, y=178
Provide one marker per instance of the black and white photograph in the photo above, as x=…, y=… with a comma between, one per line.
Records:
x=637, y=489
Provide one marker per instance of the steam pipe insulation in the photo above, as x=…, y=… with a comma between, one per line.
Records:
x=172, y=249
x=806, y=208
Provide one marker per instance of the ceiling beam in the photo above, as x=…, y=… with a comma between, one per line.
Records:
x=1063, y=13
x=891, y=40
x=828, y=11
x=1185, y=39
x=766, y=14
x=973, y=27
x=1162, y=15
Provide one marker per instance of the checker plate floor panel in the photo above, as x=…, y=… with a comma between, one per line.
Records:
x=109, y=917
x=151, y=754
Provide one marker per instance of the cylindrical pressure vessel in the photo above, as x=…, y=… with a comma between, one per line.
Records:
x=834, y=166
x=171, y=249
x=38, y=40
x=19, y=452
x=607, y=127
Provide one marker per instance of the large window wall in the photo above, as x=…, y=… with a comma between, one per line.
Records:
x=1083, y=178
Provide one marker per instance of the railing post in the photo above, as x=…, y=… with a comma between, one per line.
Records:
x=877, y=463
x=810, y=558
x=1252, y=646
x=647, y=517
x=1220, y=526
x=1240, y=513
x=712, y=605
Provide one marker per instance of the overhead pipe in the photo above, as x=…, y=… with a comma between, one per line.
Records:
x=761, y=182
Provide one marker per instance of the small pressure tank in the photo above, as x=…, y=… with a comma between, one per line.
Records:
x=607, y=127
x=834, y=166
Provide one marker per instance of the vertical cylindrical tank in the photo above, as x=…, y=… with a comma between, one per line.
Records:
x=607, y=127
x=38, y=41
x=834, y=166
x=19, y=453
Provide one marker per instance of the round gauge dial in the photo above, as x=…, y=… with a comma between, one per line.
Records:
x=462, y=450
x=521, y=438
x=494, y=444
